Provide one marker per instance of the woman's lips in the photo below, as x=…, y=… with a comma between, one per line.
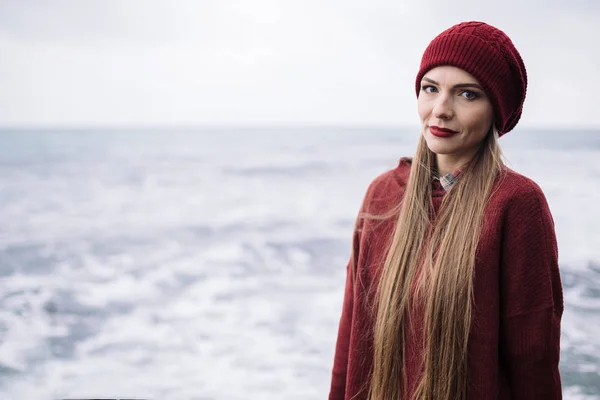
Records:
x=441, y=132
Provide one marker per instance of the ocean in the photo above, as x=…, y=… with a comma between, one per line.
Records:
x=210, y=263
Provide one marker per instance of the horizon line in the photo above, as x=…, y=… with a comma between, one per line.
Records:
x=253, y=126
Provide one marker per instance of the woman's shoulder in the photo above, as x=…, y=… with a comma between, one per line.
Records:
x=386, y=189
x=515, y=190
x=390, y=181
x=516, y=184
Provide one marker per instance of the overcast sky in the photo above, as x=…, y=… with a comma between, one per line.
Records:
x=239, y=62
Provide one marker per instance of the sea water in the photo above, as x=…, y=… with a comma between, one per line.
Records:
x=210, y=263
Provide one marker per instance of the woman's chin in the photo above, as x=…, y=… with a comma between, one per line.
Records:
x=439, y=148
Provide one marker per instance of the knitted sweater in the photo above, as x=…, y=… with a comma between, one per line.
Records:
x=514, y=343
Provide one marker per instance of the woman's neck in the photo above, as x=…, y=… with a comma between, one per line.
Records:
x=444, y=167
x=450, y=163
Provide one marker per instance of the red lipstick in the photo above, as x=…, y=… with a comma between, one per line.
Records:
x=441, y=132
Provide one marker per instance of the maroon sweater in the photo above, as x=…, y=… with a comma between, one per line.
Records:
x=514, y=343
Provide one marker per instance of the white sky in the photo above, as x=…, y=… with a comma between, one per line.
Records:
x=239, y=62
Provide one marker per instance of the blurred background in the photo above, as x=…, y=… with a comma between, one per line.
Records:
x=179, y=180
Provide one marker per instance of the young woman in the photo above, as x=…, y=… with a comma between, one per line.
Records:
x=453, y=288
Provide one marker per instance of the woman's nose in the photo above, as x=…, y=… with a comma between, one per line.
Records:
x=443, y=108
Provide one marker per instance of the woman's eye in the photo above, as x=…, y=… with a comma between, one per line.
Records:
x=428, y=88
x=469, y=95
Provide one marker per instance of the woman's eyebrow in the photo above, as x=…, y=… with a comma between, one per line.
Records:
x=457, y=86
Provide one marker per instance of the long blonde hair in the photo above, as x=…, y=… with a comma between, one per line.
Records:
x=438, y=258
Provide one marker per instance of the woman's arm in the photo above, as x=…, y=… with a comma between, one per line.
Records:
x=531, y=299
x=340, y=361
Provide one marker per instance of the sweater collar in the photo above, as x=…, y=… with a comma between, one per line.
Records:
x=440, y=184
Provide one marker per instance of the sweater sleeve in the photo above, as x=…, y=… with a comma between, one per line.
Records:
x=531, y=299
x=340, y=361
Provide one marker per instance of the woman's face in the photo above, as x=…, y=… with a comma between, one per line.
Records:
x=455, y=113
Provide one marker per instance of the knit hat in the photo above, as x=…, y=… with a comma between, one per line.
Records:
x=489, y=55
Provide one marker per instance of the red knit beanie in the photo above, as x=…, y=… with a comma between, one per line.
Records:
x=489, y=55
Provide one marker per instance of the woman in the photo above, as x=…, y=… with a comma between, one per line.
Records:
x=453, y=288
